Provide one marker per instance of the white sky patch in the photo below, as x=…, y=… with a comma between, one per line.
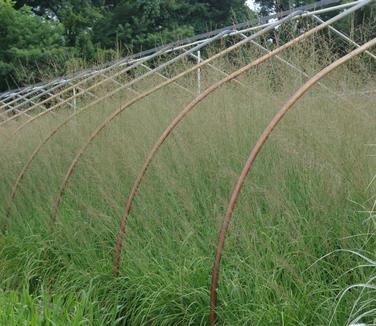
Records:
x=251, y=4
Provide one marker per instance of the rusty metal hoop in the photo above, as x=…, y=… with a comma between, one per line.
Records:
x=248, y=165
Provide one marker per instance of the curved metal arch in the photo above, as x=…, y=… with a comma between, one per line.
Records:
x=190, y=107
x=252, y=157
x=112, y=116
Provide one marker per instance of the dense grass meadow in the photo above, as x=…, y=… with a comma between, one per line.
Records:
x=301, y=230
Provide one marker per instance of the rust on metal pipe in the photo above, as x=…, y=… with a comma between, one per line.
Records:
x=140, y=97
x=248, y=165
x=182, y=114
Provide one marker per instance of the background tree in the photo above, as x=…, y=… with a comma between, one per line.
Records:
x=29, y=45
x=142, y=24
x=77, y=16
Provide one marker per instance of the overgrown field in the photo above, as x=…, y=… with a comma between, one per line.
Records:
x=309, y=195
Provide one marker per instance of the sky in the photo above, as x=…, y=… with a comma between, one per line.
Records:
x=251, y=4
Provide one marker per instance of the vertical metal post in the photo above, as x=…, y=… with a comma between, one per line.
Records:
x=198, y=72
x=74, y=99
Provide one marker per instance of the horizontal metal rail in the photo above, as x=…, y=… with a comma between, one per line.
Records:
x=158, y=68
x=70, y=88
x=244, y=27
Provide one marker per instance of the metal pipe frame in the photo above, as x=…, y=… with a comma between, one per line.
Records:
x=92, y=74
x=62, y=82
x=23, y=92
x=18, y=97
x=223, y=73
x=240, y=42
x=166, y=78
x=51, y=86
x=27, y=91
x=83, y=81
x=244, y=26
x=175, y=59
x=344, y=36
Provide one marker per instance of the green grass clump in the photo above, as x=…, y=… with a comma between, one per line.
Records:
x=306, y=197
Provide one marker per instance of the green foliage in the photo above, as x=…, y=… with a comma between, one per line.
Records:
x=143, y=24
x=44, y=308
x=29, y=45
